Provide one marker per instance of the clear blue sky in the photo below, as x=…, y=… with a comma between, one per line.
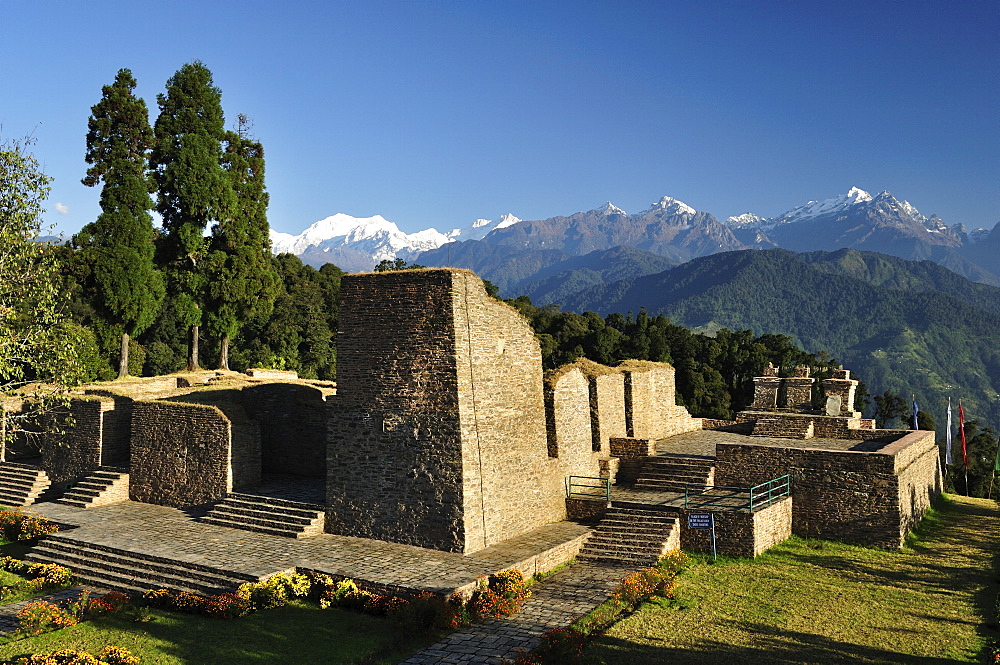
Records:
x=436, y=113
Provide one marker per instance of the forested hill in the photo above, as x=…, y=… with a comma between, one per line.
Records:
x=909, y=327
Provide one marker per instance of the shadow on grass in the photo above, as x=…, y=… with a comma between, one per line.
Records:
x=772, y=647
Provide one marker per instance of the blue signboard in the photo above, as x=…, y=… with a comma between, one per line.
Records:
x=700, y=521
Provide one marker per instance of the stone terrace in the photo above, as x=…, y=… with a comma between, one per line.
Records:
x=170, y=533
x=701, y=443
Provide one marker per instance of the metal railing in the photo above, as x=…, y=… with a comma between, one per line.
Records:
x=737, y=498
x=588, y=487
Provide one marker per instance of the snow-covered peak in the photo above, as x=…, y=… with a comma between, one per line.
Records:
x=672, y=206
x=812, y=209
x=481, y=228
x=342, y=229
x=746, y=220
x=609, y=208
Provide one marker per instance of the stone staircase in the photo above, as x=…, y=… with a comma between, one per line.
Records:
x=102, y=487
x=106, y=567
x=673, y=474
x=263, y=514
x=632, y=537
x=21, y=484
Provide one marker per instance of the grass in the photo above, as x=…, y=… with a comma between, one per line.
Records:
x=298, y=633
x=811, y=601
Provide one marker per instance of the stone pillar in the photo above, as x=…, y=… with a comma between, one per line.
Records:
x=765, y=390
x=843, y=386
x=798, y=390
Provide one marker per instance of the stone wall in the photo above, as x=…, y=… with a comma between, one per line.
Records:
x=71, y=455
x=651, y=410
x=740, y=532
x=847, y=495
x=437, y=432
x=511, y=484
x=180, y=454
x=292, y=421
x=568, y=422
x=607, y=409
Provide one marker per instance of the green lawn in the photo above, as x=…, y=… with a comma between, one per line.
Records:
x=298, y=633
x=830, y=603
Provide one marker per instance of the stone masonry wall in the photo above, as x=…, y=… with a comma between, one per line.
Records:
x=846, y=495
x=607, y=409
x=651, y=410
x=292, y=420
x=740, y=532
x=511, y=485
x=180, y=454
x=395, y=451
x=568, y=423
x=72, y=455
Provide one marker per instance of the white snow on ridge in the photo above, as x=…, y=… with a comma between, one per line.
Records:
x=814, y=209
x=673, y=206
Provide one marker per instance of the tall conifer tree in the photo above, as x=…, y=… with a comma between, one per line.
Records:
x=119, y=243
x=244, y=282
x=194, y=189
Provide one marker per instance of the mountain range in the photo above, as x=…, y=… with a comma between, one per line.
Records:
x=516, y=253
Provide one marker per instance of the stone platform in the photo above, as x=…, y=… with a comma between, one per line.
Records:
x=172, y=534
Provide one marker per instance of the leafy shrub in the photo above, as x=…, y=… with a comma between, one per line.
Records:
x=112, y=602
x=109, y=655
x=428, y=612
x=499, y=595
x=226, y=606
x=41, y=615
x=18, y=525
x=562, y=646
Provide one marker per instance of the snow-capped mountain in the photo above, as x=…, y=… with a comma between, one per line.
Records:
x=360, y=243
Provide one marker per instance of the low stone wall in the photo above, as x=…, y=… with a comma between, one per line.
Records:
x=872, y=498
x=180, y=454
x=69, y=456
x=740, y=532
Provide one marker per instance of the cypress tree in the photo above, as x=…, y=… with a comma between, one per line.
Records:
x=119, y=243
x=244, y=282
x=193, y=188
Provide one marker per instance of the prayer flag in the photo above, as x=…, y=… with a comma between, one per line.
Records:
x=947, y=437
x=961, y=430
x=916, y=409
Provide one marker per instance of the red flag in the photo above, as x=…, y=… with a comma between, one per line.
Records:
x=961, y=428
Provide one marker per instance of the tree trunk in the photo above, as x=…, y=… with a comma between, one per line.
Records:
x=123, y=358
x=224, y=353
x=193, y=365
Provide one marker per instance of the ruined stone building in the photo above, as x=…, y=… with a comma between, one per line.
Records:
x=443, y=432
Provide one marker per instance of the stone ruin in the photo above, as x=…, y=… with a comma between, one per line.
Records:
x=443, y=431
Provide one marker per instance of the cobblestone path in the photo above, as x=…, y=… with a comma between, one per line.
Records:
x=555, y=603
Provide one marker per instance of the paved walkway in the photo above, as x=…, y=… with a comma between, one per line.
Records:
x=556, y=602
x=170, y=533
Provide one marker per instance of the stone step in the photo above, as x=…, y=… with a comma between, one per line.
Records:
x=263, y=518
x=274, y=501
x=101, y=487
x=119, y=569
x=286, y=532
x=21, y=485
x=658, y=525
x=243, y=507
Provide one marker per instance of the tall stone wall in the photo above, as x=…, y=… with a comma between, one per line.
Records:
x=395, y=449
x=511, y=484
x=607, y=409
x=651, y=410
x=292, y=421
x=180, y=454
x=437, y=431
x=872, y=498
x=568, y=422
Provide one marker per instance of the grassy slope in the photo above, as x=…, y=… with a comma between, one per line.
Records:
x=823, y=602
